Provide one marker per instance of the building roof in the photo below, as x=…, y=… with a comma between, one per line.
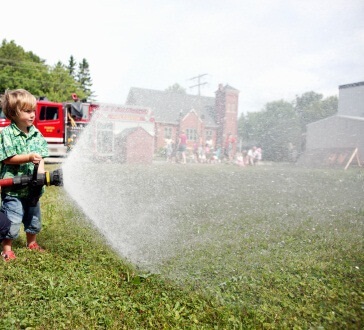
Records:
x=127, y=131
x=335, y=117
x=168, y=106
x=360, y=83
x=226, y=87
x=351, y=117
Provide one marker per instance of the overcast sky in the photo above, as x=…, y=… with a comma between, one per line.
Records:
x=267, y=49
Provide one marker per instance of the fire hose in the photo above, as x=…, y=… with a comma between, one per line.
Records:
x=36, y=181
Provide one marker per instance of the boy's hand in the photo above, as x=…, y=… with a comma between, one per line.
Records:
x=35, y=158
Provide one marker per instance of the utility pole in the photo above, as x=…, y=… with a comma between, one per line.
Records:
x=198, y=82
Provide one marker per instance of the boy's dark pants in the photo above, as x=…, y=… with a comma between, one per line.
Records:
x=4, y=225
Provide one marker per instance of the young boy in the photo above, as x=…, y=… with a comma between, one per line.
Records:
x=21, y=146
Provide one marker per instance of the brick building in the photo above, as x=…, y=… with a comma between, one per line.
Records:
x=201, y=117
x=134, y=146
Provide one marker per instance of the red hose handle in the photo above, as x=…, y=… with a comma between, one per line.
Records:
x=6, y=182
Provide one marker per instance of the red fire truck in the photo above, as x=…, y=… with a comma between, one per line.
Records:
x=62, y=124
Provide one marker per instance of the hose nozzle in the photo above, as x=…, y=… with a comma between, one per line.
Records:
x=54, y=178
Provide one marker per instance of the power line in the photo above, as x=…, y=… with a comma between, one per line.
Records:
x=199, y=84
x=22, y=63
x=50, y=83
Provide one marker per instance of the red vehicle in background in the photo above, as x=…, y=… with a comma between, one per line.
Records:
x=58, y=122
x=62, y=123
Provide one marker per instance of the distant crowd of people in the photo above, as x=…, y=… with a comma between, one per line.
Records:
x=252, y=156
x=207, y=153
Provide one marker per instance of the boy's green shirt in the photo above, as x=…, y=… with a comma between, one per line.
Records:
x=13, y=142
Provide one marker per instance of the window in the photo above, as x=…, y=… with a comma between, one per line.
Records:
x=48, y=113
x=231, y=107
x=167, y=132
x=208, y=134
x=191, y=134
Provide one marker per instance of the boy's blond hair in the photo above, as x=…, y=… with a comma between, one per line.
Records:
x=14, y=101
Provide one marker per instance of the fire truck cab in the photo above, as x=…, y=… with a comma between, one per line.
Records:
x=58, y=122
x=49, y=119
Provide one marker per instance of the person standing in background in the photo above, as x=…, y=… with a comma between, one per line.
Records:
x=182, y=145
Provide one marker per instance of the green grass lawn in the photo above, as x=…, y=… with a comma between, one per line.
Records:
x=267, y=247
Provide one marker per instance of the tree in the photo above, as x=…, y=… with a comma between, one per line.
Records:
x=61, y=85
x=72, y=67
x=279, y=128
x=249, y=127
x=276, y=129
x=21, y=69
x=84, y=77
x=329, y=106
x=311, y=107
x=280, y=131
x=176, y=88
x=243, y=130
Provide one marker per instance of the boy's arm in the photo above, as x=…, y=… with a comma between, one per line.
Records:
x=22, y=159
x=41, y=168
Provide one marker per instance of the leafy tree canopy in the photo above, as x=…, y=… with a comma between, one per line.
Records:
x=176, y=88
x=274, y=129
x=22, y=69
x=311, y=107
x=280, y=127
x=84, y=77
